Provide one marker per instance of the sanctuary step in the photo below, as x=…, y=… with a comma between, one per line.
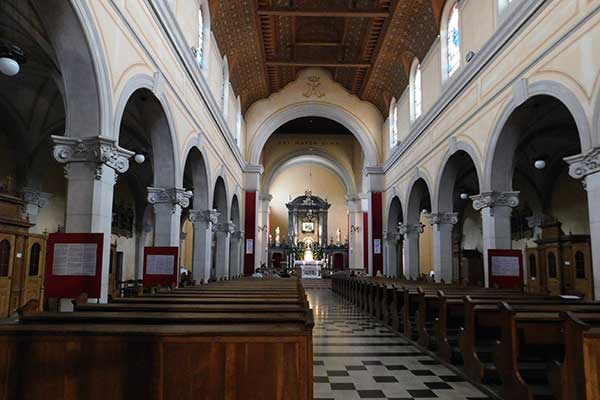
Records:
x=316, y=283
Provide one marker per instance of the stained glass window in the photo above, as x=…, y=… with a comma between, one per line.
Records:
x=200, y=52
x=417, y=95
x=453, y=41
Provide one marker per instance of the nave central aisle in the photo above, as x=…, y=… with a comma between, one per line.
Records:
x=357, y=357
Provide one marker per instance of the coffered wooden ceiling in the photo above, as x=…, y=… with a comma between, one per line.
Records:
x=366, y=44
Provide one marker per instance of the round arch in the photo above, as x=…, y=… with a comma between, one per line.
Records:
x=79, y=53
x=319, y=158
x=596, y=122
x=220, y=199
x=196, y=162
x=443, y=183
x=314, y=109
x=410, y=202
x=165, y=145
x=541, y=88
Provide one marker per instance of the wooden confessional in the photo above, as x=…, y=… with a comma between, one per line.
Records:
x=22, y=257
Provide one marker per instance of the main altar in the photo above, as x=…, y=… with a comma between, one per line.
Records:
x=307, y=248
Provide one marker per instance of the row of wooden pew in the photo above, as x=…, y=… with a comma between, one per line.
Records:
x=235, y=340
x=524, y=346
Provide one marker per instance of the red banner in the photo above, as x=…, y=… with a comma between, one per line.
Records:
x=74, y=265
x=505, y=268
x=160, y=266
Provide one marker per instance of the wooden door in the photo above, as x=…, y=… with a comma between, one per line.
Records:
x=553, y=270
x=7, y=246
x=582, y=268
x=534, y=283
x=35, y=266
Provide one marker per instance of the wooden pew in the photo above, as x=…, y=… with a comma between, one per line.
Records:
x=532, y=336
x=163, y=347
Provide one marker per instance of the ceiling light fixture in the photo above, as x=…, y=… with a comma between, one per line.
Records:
x=464, y=196
x=539, y=164
x=139, y=158
x=11, y=59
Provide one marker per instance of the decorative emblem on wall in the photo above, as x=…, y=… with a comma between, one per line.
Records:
x=313, y=87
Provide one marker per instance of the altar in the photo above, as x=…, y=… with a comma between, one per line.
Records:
x=310, y=269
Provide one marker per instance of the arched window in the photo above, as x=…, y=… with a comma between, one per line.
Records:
x=393, y=125
x=200, y=50
x=4, y=257
x=34, y=260
x=532, y=266
x=579, y=265
x=450, y=37
x=416, y=93
x=552, y=273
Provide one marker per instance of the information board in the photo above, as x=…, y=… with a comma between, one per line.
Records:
x=74, y=265
x=505, y=268
x=160, y=266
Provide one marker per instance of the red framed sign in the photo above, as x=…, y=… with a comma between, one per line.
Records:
x=160, y=266
x=505, y=268
x=74, y=265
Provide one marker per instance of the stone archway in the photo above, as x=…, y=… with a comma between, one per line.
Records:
x=394, y=239
x=222, y=231
x=419, y=203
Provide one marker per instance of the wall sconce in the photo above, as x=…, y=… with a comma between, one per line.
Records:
x=354, y=228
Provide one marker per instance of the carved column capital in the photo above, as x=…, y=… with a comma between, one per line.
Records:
x=495, y=199
x=582, y=165
x=238, y=235
x=448, y=218
x=36, y=197
x=98, y=150
x=207, y=217
x=391, y=237
x=407, y=229
x=225, y=227
x=169, y=196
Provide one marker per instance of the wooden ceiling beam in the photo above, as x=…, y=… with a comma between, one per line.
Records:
x=324, y=13
x=316, y=64
x=319, y=44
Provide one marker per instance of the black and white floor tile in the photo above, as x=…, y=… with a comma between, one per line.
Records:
x=357, y=357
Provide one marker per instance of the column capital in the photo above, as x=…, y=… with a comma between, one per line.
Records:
x=495, y=199
x=406, y=229
x=391, y=236
x=447, y=218
x=265, y=197
x=237, y=235
x=207, y=217
x=36, y=197
x=99, y=150
x=172, y=196
x=225, y=227
x=584, y=164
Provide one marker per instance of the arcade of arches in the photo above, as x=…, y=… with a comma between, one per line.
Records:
x=390, y=138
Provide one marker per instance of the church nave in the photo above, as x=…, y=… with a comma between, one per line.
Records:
x=357, y=357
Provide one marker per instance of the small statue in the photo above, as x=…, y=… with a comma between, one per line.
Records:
x=277, y=236
x=338, y=236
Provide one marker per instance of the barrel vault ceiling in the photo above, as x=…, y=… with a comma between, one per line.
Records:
x=366, y=44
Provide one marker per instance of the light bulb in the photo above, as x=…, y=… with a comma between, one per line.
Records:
x=139, y=158
x=539, y=164
x=9, y=67
x=464, y=196
x=424, y=211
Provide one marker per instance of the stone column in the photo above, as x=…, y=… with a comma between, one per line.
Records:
x=202, y=221
x=235, y=243
x=167, y=204
x=35, y=200
x=495, y=208
x=325, y=229
x=410, y=233
x=587, y=167
x=392, y=240
x=355, y=235
x=442, y=224
x=91, y=168
x=262, y=236
x=222, y=232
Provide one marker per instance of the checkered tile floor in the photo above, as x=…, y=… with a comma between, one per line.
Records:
x=357, y=357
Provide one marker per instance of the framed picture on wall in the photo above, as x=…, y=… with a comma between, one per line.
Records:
x=308, y=227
